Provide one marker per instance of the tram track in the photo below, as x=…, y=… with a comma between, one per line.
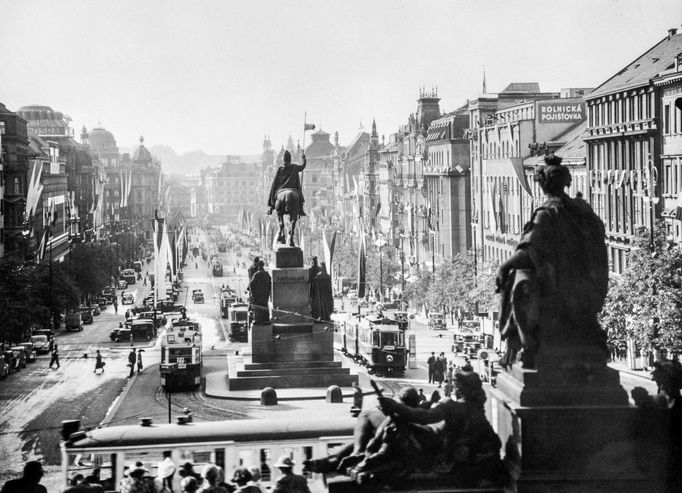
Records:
x=201, y=408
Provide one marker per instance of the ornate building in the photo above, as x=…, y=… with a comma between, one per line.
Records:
x=505, y=130
x=631, y=118
x=448, y=185
x=15, y=160
x=232, y=187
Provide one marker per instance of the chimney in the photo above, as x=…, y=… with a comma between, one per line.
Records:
x=672, y=32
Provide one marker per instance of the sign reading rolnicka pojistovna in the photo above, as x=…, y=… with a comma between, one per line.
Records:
x=558, y=112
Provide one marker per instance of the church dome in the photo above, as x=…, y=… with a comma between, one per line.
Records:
x=101, y=140
x=142, y=154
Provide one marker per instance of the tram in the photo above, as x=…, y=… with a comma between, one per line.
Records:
x=239, y=322
x=227, y=297
x=375, y=342
x=217, y=267
x=181, y=356
x=228, y=444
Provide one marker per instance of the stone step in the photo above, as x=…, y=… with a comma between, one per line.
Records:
x=293, y=371
x=292, y=364
x=291, y=381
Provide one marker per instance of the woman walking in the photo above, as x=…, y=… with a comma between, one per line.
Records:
x=99, y=364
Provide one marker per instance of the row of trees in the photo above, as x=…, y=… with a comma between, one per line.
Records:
x=32, y=294
x=644, y=304
x=461, y=284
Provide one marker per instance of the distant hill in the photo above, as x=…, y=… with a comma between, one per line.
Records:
x=189, y=162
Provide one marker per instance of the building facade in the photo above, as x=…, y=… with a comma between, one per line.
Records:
x=625, y=159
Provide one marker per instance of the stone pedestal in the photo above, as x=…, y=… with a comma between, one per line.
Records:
x=569, y=427
x=292, y=350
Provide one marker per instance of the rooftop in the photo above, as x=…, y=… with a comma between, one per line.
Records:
x=640, y=71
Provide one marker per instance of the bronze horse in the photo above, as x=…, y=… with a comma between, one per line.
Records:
x=288, y=202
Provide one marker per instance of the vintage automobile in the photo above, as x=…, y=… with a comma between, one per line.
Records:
x=437, y=321
x=40, y=331
x=159, y=321
x=127, y=299
x=103, y=301
x=31, y=353
x=197, y=296
x=86, y=315
x=120, y=335
x=20, y=356
x=239, y=322
x=121, y=284
x=73, y=321
x=110, y=293
x=10, y=360
x=166, y=306
x=96, y=310
x=40, y=343
x=4, y=368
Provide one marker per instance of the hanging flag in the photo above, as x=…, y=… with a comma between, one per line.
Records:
x=328, y=247
x=520, y=172
x=301, y=242
x=361, y=265
x=122, y=188
x=172, y=254
x=40, y=254
x=308, y=126
x=492, y=192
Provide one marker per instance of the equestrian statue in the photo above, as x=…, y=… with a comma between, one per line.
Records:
x=286, y=196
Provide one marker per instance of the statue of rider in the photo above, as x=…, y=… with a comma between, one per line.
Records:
x=287, y=177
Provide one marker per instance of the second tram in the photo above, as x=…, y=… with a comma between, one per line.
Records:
x=181, y=356
x=376, y=342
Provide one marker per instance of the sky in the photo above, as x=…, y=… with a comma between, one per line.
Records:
x=218, y=75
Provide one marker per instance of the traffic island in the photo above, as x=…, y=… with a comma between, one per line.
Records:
x=289, y=350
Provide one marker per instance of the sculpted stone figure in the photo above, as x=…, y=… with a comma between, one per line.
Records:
x=286, y=196
x=260, y=287
x=555, y=284
x=322, y=301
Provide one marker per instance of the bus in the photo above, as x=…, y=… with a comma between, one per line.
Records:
x=128, y=275
x=227, y=444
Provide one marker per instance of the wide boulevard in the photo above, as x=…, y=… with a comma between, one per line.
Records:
x=34, y=401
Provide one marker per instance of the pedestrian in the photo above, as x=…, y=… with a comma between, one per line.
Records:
x=139, y=360
x=242, y=477
x=144, y=283
x=431, y=363
x=451, y=369
x=467, y=365
x=422, y=397
x=137, y=481
x=132, y=358
x=116, y=306
x=211, y=475
x=357, y=396
x=289, y=482
x=29, y=481
x=55, y=356
x=99, y=364
x=166, y=471
x=50, y=346
x=189, y=484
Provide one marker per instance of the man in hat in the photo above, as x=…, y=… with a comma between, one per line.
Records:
x=29, y=482
x=289, y=482
x=137, y=481
x=287, y=177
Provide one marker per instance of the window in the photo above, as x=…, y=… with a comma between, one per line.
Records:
x=666, y=119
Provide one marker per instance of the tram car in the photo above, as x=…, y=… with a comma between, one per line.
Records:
x=217, y=267
x=239, y=322
x=375, y=342
x=181, y=356
x=227, y=444
x=227, y=297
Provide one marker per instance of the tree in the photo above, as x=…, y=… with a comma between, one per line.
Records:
x=14, y=301
x=385, y=264
x=90, y=266
x=645, y=302
x=50, y=294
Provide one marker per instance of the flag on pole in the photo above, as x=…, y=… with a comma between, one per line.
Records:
x=361, y=264
x=308, y=126
x=328, y=250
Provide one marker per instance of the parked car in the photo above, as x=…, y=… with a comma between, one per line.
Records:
x=158, y=322
x=10, y=358
x=169, y=306
x=42, y=332
x=4, y=368
x=120, y=335
x=127, y=299
x=86, y=315
x=73, y=321
x=121, y=284
x=110, y=293
x=103, y=301
x=31, y=353
x=41, y=343
x=20, y=356
x=437, y=321
x=197, y=296
x=96, y=310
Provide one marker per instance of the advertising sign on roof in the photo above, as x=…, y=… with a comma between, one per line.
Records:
x=558, y=112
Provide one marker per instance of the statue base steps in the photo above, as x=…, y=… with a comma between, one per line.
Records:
x=289, y=375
